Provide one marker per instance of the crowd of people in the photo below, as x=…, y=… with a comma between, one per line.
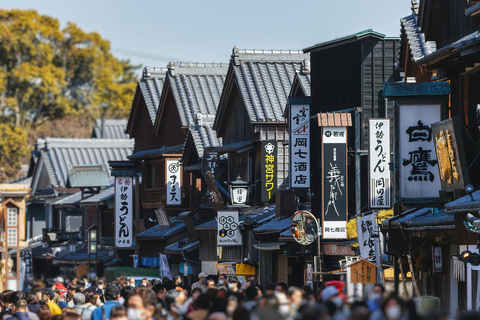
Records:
x=215, y=298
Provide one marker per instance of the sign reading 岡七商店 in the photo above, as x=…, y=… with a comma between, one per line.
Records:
x=299, y=146
x=418, y=166
x=269, y=170
x=379, y=158
x=174, y=182
x=228, y=229
x=334, y=177
x=123, y=212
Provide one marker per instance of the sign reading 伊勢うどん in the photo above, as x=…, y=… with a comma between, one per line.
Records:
x=379, y=159
x=123, y=212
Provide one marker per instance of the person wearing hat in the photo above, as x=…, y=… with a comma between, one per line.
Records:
x=112, y=293
x=201, y=281
x=47, y=298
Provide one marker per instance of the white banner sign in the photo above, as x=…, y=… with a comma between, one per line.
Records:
x=228, y=229
x=299, y=146
x=379, y=158
x=174, y=182
x=419, y=176
x=123, y=212
x=164, y=267
x=368, y=240
x=437, y=259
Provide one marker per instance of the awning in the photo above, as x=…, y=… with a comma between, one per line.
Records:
x=155, y=153
x=269, y=246
x=81, y=256
x=466, y=204
x=162, y=232
x=103, y=197
x=239, y=147
x=273, y=226
x=70, y=200
x=421, y=220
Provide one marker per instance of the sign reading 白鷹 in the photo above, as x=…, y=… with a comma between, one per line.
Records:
x=379, y=158
x=174, y=182
x=228, y=229
x=269, y=170
x=368, y=240
x=299, y=146
x=418, y=166
x=334, y=179
x=123, y=212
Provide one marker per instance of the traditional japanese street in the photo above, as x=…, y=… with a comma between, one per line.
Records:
x=337, y=180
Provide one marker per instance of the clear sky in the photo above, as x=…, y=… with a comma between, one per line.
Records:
x=153, y=32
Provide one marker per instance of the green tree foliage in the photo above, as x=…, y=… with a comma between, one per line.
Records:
x=48, y=73
x=13, y=150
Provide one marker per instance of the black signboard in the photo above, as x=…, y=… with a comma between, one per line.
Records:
x=269, y=170
x=211, y=160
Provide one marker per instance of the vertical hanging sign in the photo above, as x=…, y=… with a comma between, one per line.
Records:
x=174, y=182
x=269, y=170
x=123, y=212
x=419, y=177
x=334, y=178
x=299, y=146
x=379, y=158
x=368, y=240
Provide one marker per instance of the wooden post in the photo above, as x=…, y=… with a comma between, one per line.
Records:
x=414, y=281
x=405, y=293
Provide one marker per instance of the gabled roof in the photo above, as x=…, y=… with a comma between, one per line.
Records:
x=264, y=79
x=59, y=155
x=418, y=46
x=114, y=129
x=149, y=88
x=202, y=137
x=85, y=176
x=302, y=80
x=344, y=40
x=196, y=88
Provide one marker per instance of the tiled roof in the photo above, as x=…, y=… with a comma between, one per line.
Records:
x=181, y=246
x=274, y=226
x=114, y=129
x=82, y=256
x=305, y=83
x=59, y=155
x=162, y=232
x=203, y=137
x=343, y=40
x=464, y=204
x=416, y=40
x=264, y=79
x=473, y=10
x=196, y=88
x=101, y=197
x=473, y=39
x=153, y=153
x=150, y=86
x=88, y=176
x=23, y=180
x=419, y=218
x=69, y=200
x=334, y=119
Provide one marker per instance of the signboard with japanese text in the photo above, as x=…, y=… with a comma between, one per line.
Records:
x=437, y=259
x=245, y=269
x=418, y=176
x=368, y=239
x=379, y=159
x=363, y=271
x=225, y=269
x=174, y=182
x=299, y=146
x=334, y=177
x=228, y=229
x=269, y=170
x=211, y=160
x=123, y=212
x=164, y=267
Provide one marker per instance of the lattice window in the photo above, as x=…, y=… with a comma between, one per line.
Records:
x=12, y=237
x=12, y=217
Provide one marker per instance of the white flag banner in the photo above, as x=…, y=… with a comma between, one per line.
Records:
x=367, y=233
x=123, y=212
x=164, y=267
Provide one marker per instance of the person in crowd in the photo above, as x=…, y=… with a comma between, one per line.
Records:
x=375, y=300
x=210, y=283
x=232, y=305
x=5, y=301
x=141, y=304
x=47, y=298
x=192, y=301
x=146, y=283
x=295, y=298
x=62, y=305
x=175, y=304
x=282, y=287
x=222, y=280
x=254, y=279
x=44, y=313
x=19, y=311
x=32, y=302
x=333, y=301
x=203, y=305
x=178, y=279
x=240, y=314
x=201, y=281
x=112, y=293
x=251, y=298
x=69, y=315
x=118, y=313
x=131, y=282
x=160, y=291
x=83, y=307
x=270, y=289
x=233, y=284
x=392, y=309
